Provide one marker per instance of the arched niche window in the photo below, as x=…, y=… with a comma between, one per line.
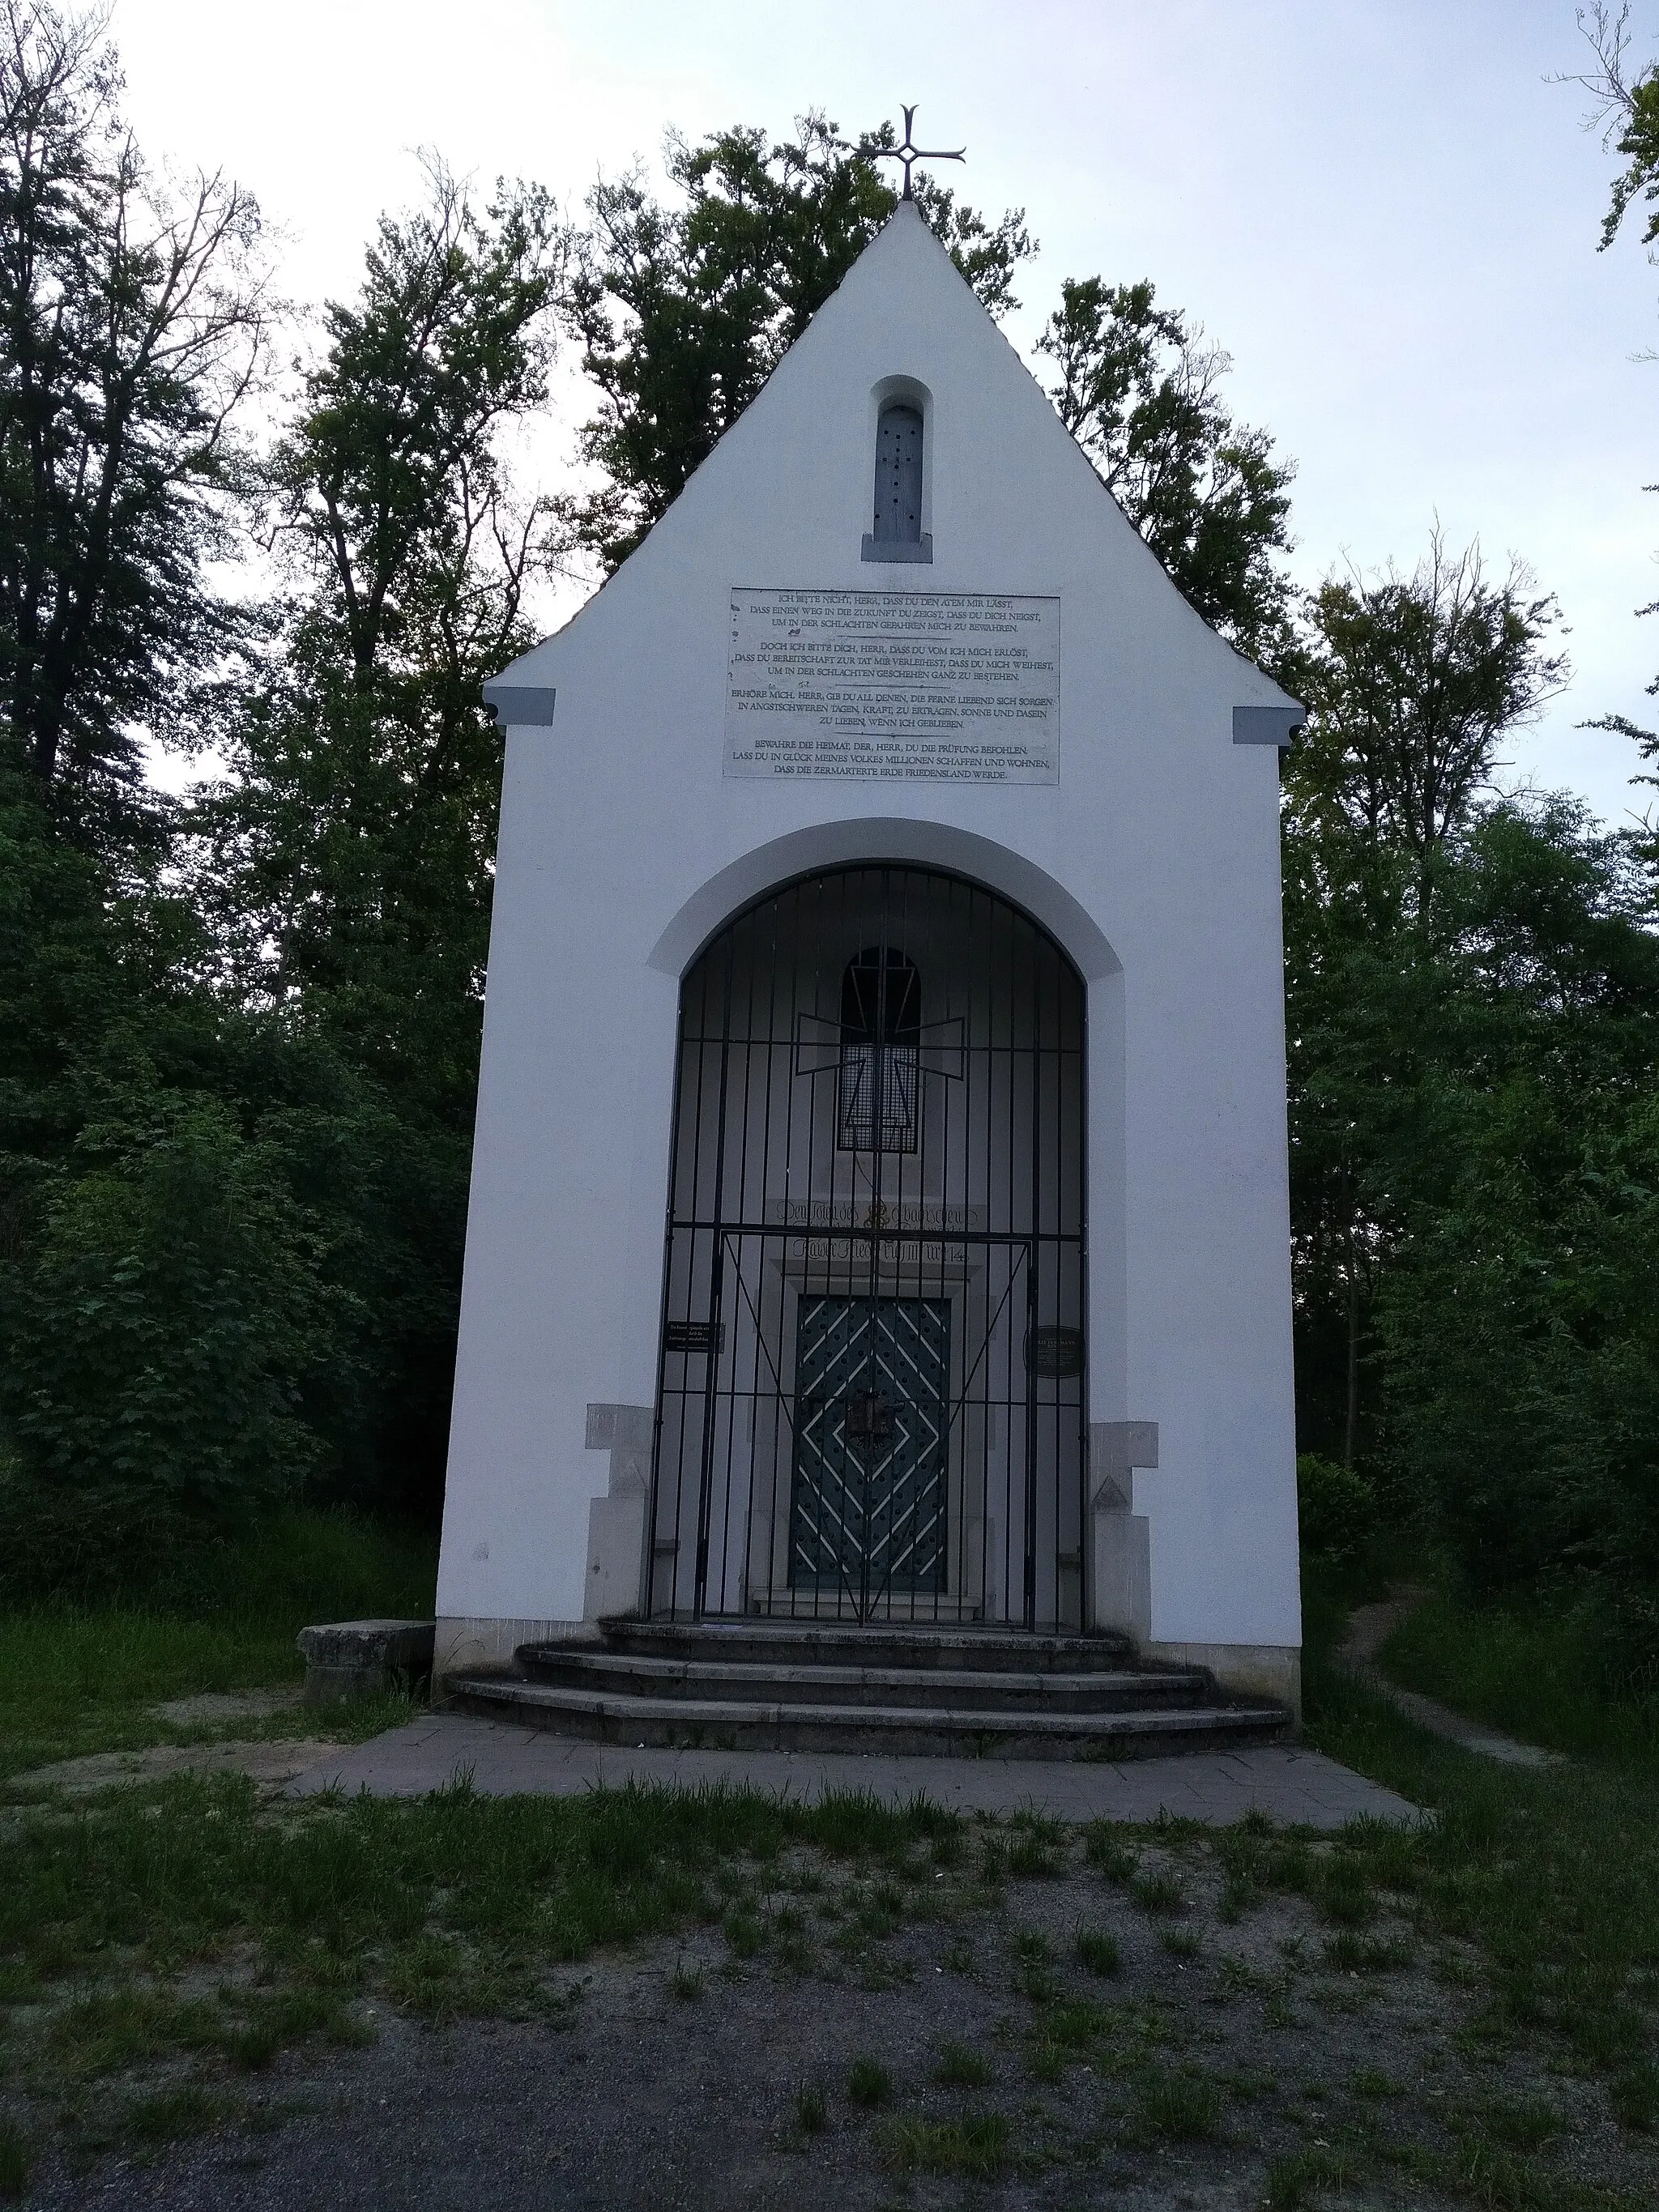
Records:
x=878, y=1095
x=897, y=533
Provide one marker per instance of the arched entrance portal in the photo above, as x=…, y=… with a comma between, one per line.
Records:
x=871, y=1399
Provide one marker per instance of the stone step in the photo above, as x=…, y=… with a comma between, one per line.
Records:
x=812, y=1644
x=750, y=1682
x=736, y=1724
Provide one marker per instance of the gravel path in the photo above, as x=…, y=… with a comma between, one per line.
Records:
x=621, y=2097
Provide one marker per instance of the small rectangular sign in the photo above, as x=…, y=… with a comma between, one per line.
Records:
x=696, y=1336
x=893, y=686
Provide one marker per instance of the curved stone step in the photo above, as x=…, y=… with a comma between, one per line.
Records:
x=954, y=1689
x=831, y=1642
x=736, y=1724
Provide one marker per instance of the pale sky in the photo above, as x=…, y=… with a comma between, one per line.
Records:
x=1385, y=212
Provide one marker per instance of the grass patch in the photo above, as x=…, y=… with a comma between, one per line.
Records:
x=1107, y=1847
x=453, y=1905
x=744, y=1933
x=961, y=2067
x=1037, y=1847
x=79, y=1678
x=1075, y=2026
x=1368, y=2082
x=1158, y=1892
x=1536, y=1669
x=1550, y=1878
x=868, y=2082
x=812, y=2112
x=1098, y=1951
x=1633, y=2096
x=1293, y=2180
x=1180, y=2108
x=1365, y=1955
x=16, y=2159
x=1522, y=2122
x=975, y=2146
x=156, y=2120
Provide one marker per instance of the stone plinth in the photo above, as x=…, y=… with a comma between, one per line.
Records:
x=357, y=1658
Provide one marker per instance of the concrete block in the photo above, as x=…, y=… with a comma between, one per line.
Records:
x=1116, y=1449
x=616, y=1555
x=1242, y=1670
x=359, y=1658
x=620, y=1428
x=470, y=1643
x=1123, y=1573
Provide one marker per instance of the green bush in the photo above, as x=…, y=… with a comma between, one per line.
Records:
x=1337, y=1506
x=155, y=1339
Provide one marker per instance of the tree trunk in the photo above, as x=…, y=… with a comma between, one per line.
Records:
x=1350, y=1427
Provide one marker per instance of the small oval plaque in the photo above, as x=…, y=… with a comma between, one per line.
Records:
x=1055, y=1351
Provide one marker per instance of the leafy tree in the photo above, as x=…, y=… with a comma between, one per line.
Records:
x=1627, y=110
x=1412, y=683
x=131, y=328
x=159, y=1283
x=349, y=858
x=1627, y=114
x=1519, y=1319
x=1141, y=392
x=346, y=865
x=682, y=312
x=157, y=1341
x=236, y=1095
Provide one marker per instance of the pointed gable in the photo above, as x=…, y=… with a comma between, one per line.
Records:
x=1007, y=497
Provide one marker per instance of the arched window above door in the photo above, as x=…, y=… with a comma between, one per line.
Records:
x=897, y=533
x=879, y=1092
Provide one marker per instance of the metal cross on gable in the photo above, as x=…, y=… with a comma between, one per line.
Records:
x=909, y=153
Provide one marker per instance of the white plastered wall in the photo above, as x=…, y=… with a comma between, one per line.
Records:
x=1154, y=862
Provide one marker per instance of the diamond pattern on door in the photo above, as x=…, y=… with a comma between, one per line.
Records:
x=872, y=1435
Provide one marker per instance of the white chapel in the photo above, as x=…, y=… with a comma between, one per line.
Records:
x=878, y=1228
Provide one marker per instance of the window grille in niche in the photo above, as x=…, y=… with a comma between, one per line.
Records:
x=880, y=1088
x=898, y=534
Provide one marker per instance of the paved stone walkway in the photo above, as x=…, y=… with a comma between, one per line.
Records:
x=1285, y=1781
x=1370, y=1627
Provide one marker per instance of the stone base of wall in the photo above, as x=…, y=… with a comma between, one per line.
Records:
x=1243, y=1670
x=463, y=1644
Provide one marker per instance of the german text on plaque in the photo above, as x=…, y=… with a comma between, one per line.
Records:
x=935, y=687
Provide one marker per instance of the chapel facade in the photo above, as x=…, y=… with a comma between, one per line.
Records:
x=879, y=1209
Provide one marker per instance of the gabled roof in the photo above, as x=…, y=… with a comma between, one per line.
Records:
x=1016, y=502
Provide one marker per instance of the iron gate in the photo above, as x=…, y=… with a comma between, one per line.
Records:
x=871, y=1401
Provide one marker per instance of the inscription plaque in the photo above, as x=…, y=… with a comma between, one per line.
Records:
x=935, y=687
x=695, y=1336
x=1055, y=1351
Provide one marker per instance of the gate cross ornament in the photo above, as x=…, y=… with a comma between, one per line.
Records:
x=909, y=153
x=868, y=1420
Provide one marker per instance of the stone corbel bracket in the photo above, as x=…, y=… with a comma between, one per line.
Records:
x=1122, y=1589
x=1279, y=726
x=615, y=1522
x=520, y=706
